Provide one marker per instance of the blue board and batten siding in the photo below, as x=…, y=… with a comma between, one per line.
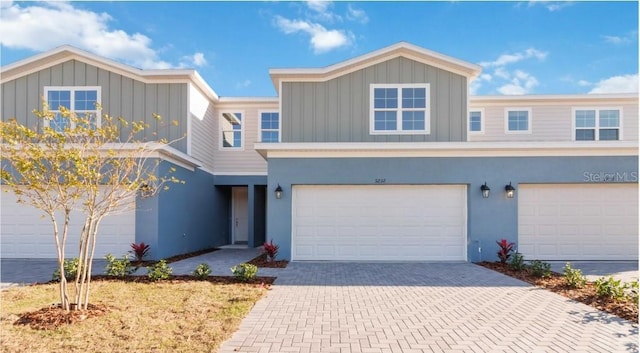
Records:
x=487, y=220
x=338, y=110
x=186, y=217
x=120, y=96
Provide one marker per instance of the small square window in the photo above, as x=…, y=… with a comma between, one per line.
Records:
x=476, y=124
x=400, y=109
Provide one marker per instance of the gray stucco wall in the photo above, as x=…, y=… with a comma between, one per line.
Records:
x=186, y=218
x=338, y=110
x=488, y=219
x=121, y=97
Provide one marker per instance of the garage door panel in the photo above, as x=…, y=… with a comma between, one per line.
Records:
x=593, y=221
x=382, y=223
x=26, y=234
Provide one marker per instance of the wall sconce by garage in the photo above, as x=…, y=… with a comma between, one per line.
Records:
x=278, y=192
x=510, y=190
x=485, y=190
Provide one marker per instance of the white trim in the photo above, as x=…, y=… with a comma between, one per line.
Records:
x=67, y=53
x=507, y=110
x=597, y=110
x=400, y=109
x=545, y=98
x=482, y=119
x=401, y=49
x=72, y=101
x=260, y=112
x=446, y=149
x=240, y=173
x=221, y=131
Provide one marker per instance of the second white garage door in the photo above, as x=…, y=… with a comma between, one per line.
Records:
x=578, y=221
x=379, y=223
x=24, y=233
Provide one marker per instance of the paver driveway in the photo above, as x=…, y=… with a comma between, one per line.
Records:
x=420, y=307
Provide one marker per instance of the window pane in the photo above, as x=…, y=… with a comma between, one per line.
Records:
x=413, y=98
x=609, y=118
x=270, y=121
x=518, y=121
x=609, y=134
x=585, y=135
x=385, y=98
x=475, y=121
x=269, y=136
x=56, y=99
x=385, y=121
x=413, y=121
x=85, y=100
x=585, y=118
x=59, y=123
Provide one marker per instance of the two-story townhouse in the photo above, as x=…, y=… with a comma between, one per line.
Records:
x=188, y=217
x=384, y=157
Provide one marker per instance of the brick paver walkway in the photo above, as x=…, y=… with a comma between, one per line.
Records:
x=420, y=307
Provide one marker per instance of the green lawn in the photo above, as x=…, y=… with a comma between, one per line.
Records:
x=171, y=316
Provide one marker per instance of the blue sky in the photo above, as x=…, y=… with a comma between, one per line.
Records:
x=524, y=47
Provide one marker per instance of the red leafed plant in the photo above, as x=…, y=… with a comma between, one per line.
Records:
x=271, y=250
x=506, y=248
x=139, y=250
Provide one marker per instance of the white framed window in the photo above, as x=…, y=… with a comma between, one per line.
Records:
x=269, y=126
x=597, y=124
x=231, y=130
x=476, y=121
x=399, y=109
x=81, y=100
x=517, y=120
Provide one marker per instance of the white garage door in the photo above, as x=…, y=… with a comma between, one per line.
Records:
x=578, y=221
x=379, y=223
x=25, y=234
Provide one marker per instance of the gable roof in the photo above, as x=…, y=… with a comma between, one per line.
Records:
x=401, y=49
x=66, y=53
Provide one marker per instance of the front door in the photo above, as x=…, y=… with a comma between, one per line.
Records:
x=240, y=215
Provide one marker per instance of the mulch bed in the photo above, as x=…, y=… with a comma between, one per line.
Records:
x=625, y=309
x=261, y=261
x=174, y=258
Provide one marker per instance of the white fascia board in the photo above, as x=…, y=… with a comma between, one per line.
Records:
x=65, y=53
x=560, y=98
x=446, y=149
x=403, y=49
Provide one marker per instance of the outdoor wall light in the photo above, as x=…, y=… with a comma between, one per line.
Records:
x=510, y=190
x=485, y=190
x=278, y=192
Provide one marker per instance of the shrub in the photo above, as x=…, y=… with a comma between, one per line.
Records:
x=244, y=272
x=517, y=262
x=70, y=269
x=118, y=267
x=540, y=268
x=159, y=271
x=139, y=250
x=202, y=271
x=632, y=291
x=609, y=288
x=573, y=277
x=505, y=251
x=271, y=250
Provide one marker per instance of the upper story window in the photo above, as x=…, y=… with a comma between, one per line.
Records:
x=83, y=101
x=476, y=121
x=517, y=120
x=593, y=124
x=231, y=130
x=269, y=127
x=399, y=109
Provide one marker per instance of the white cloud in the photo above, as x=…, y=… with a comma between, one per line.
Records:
x=617, y=84
x=552, y=6
x=243, y=84
x=584, y=83
x=620, y=40
x=521, y=83
x=506, y=59
x=197, y=60
x=356, y=15
x=321, y=11
x=42, y=26
x=502, y=73
x=322, y=39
